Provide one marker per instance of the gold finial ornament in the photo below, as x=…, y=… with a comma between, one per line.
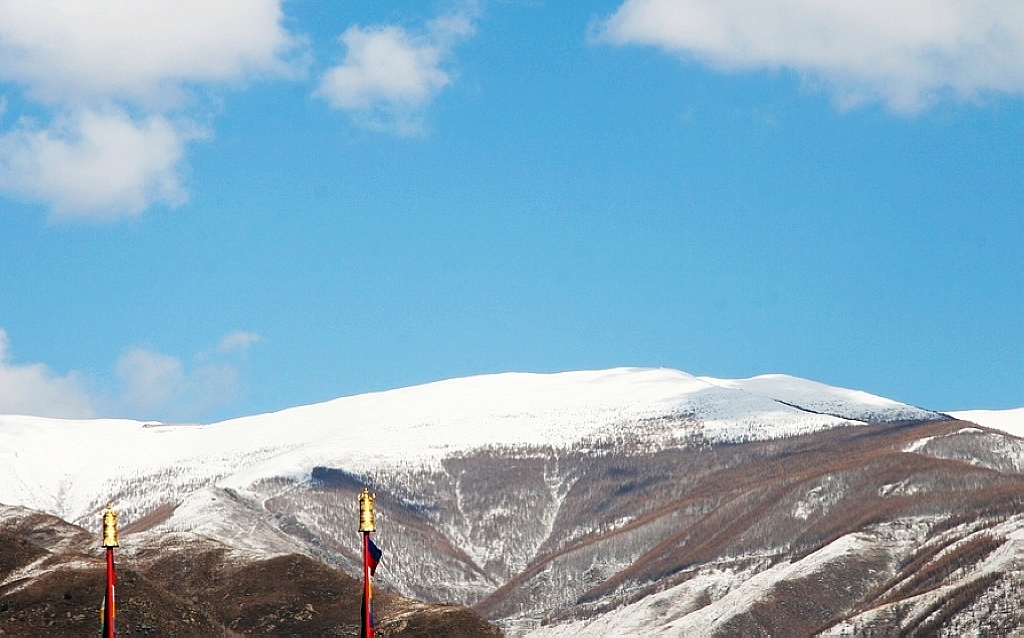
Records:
x=366, y=511
x=110, y=526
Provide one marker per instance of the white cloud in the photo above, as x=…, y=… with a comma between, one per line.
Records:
x=160, y=386
x=384, y=64
x=150, y=380
x=156, y=385
x=389, y=75
x=139, y=50
x=238, y=341
x=906, y=54
x=34, y=389
x=148, y=385
x=116, y=80
x=96, y=165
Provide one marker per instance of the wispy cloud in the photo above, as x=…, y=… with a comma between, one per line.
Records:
x=905, y=54
x=390, y=75
x=33, y=388
x=148, y=384
x=238, y=341
x=112, y=86
x=157, y=385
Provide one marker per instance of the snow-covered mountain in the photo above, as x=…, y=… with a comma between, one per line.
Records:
x=626, y=498
x=71, y=468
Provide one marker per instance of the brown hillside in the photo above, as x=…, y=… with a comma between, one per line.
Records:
x=194, y=586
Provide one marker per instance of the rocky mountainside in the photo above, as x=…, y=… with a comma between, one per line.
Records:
x=183, y=584
x=596, y=503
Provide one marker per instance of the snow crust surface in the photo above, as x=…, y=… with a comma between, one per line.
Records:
x=71, y=467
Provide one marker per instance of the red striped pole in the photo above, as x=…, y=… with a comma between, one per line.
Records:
x=366, y=525
x=108, y=600
x=367, y=590
x=110, y=542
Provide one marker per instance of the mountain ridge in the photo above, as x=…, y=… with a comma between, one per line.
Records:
x=563, y=502
x=428, y=430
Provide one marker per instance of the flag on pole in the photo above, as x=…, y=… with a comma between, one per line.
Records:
x=367, y=630
x=371, y=557
x=374, y=555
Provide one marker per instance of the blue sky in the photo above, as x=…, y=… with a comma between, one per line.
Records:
x=216, y=209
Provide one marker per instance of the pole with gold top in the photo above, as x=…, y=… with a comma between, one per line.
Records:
x=371, y=555
x=109, y=542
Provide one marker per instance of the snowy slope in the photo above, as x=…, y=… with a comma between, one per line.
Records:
x=69, y=468
x=597, y=502
x=683, y=610
x=818, y=397
x=1009, y=421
